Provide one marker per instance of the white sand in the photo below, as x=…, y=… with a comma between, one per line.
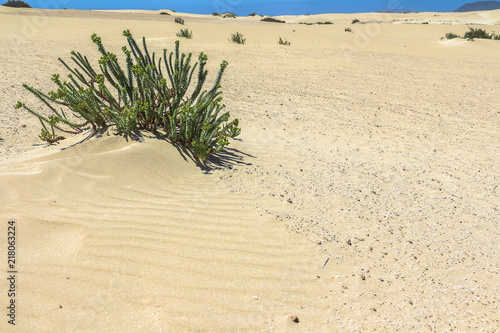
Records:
x=377, y=150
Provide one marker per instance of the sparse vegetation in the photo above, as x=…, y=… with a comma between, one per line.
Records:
x=237, y=38
x=215, y=14
x=229, y=15
x=179, y=20
x=185, y=33
x=16, y=3
x=478, y=33
x=320, y=23
x=139, y=97
x=355, y=21
x=254, y=14
x=472, y=34
x=164, y=13
x=272, y=19
x=451, y=35
x=284, y=42
x=348, y=29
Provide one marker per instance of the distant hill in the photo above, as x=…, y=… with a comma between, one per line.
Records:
x=480, y=5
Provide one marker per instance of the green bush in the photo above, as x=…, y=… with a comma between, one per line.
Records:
x=179, y=20
x=18, y=4
x=139, y=97
x=215, y=14
x=355, y=21
x=451, y=35
x=477, y=33
x=229, y=15
x=348, y=29
x=272, y=19
x=237, y=38
x=185, y=33
x=284, y=42
x=164, y=13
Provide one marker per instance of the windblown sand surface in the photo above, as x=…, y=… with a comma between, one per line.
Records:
x=362, y=194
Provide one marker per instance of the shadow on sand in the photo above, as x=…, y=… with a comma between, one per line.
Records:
x=227, y=158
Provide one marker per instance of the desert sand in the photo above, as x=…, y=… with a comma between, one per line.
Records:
x=361, y=195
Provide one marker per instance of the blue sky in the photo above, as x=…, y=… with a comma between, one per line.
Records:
x=245, y=7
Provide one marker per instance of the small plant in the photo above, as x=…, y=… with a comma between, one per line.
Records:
x=327, y=22
x=164, y=13
x=237, y=38
x=355, y=21
x=477, y=33
x=253, y=14
x=272, y=19
x=229, y=15
x=284, y=42
x=215, y=14
x=17, y=4
x=348, y=29
x=139, y=97
x=179, y=20
x=451, y=35
x=185, y=33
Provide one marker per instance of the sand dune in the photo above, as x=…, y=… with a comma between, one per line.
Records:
x=143, y=240
x=361, y=195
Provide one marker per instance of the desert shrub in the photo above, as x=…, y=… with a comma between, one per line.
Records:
x=348, y=29
x=16, y=3
x=179, y=20
x=164, y=13
x=496, y=37
x=327, y=22
x=284, y=42
x=139, y=97
x=237, y=38
x=451, y=35
x=355, y=21
x=229, y=15
x=185, y=33
x=215, y=14
x=272, y=19
x=253, y=14
x=305, y=23
x=477, y=33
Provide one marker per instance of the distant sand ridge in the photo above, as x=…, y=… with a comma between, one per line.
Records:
x=362, y=193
